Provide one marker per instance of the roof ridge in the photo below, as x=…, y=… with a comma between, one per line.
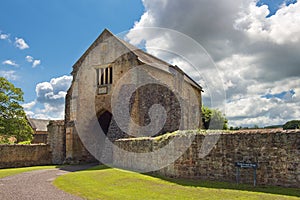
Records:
x=136, y=51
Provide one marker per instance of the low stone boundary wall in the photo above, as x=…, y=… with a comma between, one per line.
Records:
x=277, y=154
x=36, y=154
x=24, y=155
x=39, y=138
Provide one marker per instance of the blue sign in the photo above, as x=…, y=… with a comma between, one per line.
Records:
x=246, y=165
x=254, y=166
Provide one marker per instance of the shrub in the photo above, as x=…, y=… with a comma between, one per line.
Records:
x=25, y=142
x=294, y=124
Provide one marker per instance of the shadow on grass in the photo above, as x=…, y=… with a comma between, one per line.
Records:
x=197, y=183
x=232, y=186
x=80, y=167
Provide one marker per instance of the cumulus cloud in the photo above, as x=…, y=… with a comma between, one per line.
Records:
x=29, y=59
x=21, y=44
x=281, y=28
x=10, y=62
x=50, y=99
x=36, y=63
x=9, y=75
x=256, y=53
x=4, y=36
x=28, y=106
x=48, y=112
x=53, y=92
x=244, y=112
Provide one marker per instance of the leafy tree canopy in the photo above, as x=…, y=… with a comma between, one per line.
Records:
x=13, y=122
x=213, y=119
x=294, y=124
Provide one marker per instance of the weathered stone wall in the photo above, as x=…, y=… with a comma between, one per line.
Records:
x=40, y=138
x=103, y=51
x=276, y=152
x=75, y=151
x=24, y=155
x=57, y=141
x=180, y=97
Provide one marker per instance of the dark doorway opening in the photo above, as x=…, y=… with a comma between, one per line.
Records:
x=104, y=121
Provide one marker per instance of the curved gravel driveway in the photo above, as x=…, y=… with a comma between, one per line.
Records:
x=36, y=185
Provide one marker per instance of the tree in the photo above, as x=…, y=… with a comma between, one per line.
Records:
x=213, y=118
x=255, y=126
x=293, y=124
x=13, y=120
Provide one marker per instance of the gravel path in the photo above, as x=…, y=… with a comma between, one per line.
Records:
x=36, y=185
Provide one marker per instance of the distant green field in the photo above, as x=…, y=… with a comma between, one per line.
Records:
x=107, y=183
x=13, y=171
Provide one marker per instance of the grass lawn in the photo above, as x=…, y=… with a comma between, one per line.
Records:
x=107, y=183
x=13, y=171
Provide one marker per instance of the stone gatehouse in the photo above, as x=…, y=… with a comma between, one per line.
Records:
x=112, y=67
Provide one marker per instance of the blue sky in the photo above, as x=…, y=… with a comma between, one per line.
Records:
x=257, y=54
x=57, y=33
x=274, y=5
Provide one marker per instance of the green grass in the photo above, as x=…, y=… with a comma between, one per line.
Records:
x=13, y=171
x=108, y=183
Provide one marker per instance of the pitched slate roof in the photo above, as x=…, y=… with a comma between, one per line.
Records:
x=38, y=124
x=143, y=57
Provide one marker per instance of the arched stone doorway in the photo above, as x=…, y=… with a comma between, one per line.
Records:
x=104, y=120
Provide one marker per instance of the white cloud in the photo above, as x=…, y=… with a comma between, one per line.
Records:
x=31, y=114
x=4, y=36
x=255, y=55
x=29, y=59
x=48, y=112
x=10, y=62
x=283, y=27
x=21, y=44
x=50, y=100
x=9, y=75
x=244, y=112
x=36, y=63
x=28, y=106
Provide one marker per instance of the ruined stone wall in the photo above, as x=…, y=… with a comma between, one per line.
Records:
x=24, y=155
x=40, y=138
x=104, y=51
x=108, y=51
x=75, y=151
x=57, y=141
x=37, y=154
x=277, y=154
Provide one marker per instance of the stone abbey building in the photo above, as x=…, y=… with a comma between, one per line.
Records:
x=130, y=93
x=120, y=93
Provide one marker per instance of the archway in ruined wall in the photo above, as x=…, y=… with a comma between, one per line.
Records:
x=104, y=120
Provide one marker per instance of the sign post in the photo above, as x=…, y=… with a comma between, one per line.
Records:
x=239, y=165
